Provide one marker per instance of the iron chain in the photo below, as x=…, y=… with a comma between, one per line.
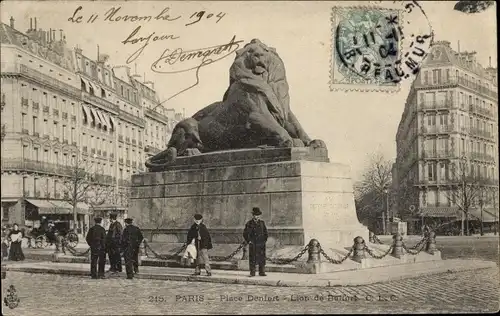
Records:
x=163, y=257
x=334, y=261
x=76, y=253
x=288, y=261
x=378, y=241
x=371, y=253
x=419, y=243
x=230, y=256
x=414, y=251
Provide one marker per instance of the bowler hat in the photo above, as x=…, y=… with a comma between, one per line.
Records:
x=198, y=217
x=112, y=216
x=98, y=220
x=256, y=211
x=128, y=220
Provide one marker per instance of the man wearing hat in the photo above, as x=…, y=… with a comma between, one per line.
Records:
x=96, y=239
x=255, y=235
x=131, y=241
x=199, y=235
x=113, y=239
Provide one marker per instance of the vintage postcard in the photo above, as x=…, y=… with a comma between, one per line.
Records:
x=249, y=157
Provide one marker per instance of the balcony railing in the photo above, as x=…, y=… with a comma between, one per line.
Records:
x=99, y=152
x=127, y=140
x=111, y=155
x=104, y=103
x=45, y=79
x=55, y=112
x=123, y=183
x=131, y=118
x=65, y=115
x=36, y=105
x=437, y=129
x=128, y=163
x=120, y=160
x=73, y=118
x=92, y=151
x=65, y=142
x=453, y=80
x=46, y=109
x=57, y=195
x=480, y=133
x=104, y=153
x=45, y=136
x=73, y=143
x=120, y=138
x=37, y=193
x=85, y=149
x=436, y=105
x=56, y=138
x=25, y=131
x=140, y=143
x=36, y=134
x=36, y=166
x=134, y=142
x=24, y=102
x=134, y=164
x=438, y=154
x=155, y=115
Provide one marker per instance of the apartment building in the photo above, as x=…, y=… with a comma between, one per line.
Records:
x=63, y=108
x=448, y=133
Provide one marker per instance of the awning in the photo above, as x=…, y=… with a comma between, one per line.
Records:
x=86, y=83
x=101, y=116
x=488, y=215
x=439, y=211
x=113, y=122
x=106, y=118
x=50, y=207
x=87, y=112
x=97, y=118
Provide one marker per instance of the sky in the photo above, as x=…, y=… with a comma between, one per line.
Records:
x=353, y=124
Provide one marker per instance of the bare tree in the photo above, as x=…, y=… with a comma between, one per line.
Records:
x=468, y=191
x=371, y=193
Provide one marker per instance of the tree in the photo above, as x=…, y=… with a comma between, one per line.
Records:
x=469, y=190
x=85, y=183
x=371, y=193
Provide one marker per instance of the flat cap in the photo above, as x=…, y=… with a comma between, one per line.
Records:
x=128, y=220
x=112, y=216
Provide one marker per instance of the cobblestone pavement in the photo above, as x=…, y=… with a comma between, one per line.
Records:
x=473, y=291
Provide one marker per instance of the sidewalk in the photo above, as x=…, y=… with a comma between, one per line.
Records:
x=341, y=278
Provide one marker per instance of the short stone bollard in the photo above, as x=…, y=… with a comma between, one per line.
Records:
x=430, y=247
x=397, y=250
x=371, y=237
x=314, y=255
x=359, y=249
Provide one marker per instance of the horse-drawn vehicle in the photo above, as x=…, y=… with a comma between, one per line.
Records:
x=44, y=237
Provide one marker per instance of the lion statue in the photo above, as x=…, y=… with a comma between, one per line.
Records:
x=254, y=112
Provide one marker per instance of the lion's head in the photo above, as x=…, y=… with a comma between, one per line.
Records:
x=259, y=62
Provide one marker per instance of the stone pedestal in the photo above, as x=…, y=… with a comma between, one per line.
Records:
x=300, y=193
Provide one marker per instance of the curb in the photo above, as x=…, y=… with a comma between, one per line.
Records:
x=260, y=282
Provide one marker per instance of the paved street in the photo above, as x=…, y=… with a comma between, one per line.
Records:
x=474, y=291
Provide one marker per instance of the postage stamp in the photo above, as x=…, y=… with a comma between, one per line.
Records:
x=369, y=51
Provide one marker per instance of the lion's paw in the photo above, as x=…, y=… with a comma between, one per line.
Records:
x=297, y=142
x=317, y=143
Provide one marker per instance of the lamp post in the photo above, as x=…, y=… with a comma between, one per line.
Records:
x=386, y=221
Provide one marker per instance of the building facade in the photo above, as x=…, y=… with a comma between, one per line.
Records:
x=62, y=111
x=448, y=137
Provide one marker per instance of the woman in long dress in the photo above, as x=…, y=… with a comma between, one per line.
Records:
x=16, y=237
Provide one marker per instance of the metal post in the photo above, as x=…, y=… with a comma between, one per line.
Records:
x=397, y=251
x=359, y=249
x=314, y=252
x=383, y=222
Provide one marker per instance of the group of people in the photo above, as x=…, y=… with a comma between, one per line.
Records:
x=11, y=244
x=116, y=241
x=127, y=241
x=255, y=235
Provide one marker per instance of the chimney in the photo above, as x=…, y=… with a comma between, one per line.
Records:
x=54, y=35
x=490, y=61
x=61, y=36
x=31, y=24
x=11, y=22
x=35, y=24
x=459, y=47
x=50, y=36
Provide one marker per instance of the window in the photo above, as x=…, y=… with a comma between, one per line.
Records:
x=56, y=132
x=431, y=171
x=35, y=186
x=56, y=157
x=23, y=121
x=35, y=153
x=426, y=77
x=35, y=121
x=436, y=76
x=443, y=119
x=56, y=184
x=431, y=121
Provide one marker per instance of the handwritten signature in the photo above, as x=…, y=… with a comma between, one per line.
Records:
x=179, y=60
x=133, y=39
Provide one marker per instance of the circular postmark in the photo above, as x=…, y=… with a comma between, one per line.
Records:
x=381, y=44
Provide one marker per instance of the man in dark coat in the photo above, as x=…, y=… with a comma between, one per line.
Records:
x=255, y=235
x=96, y=239
x=131, y=241
x=199, y=235
x=113, y=239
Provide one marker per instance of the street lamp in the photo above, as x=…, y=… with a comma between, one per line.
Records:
x=386, y=221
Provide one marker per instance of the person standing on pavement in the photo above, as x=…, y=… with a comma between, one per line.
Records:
x=255, y=234
x=113, y=239
x=16, y=239
x=96, y=239
x=131, y=241
x=198, y=235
